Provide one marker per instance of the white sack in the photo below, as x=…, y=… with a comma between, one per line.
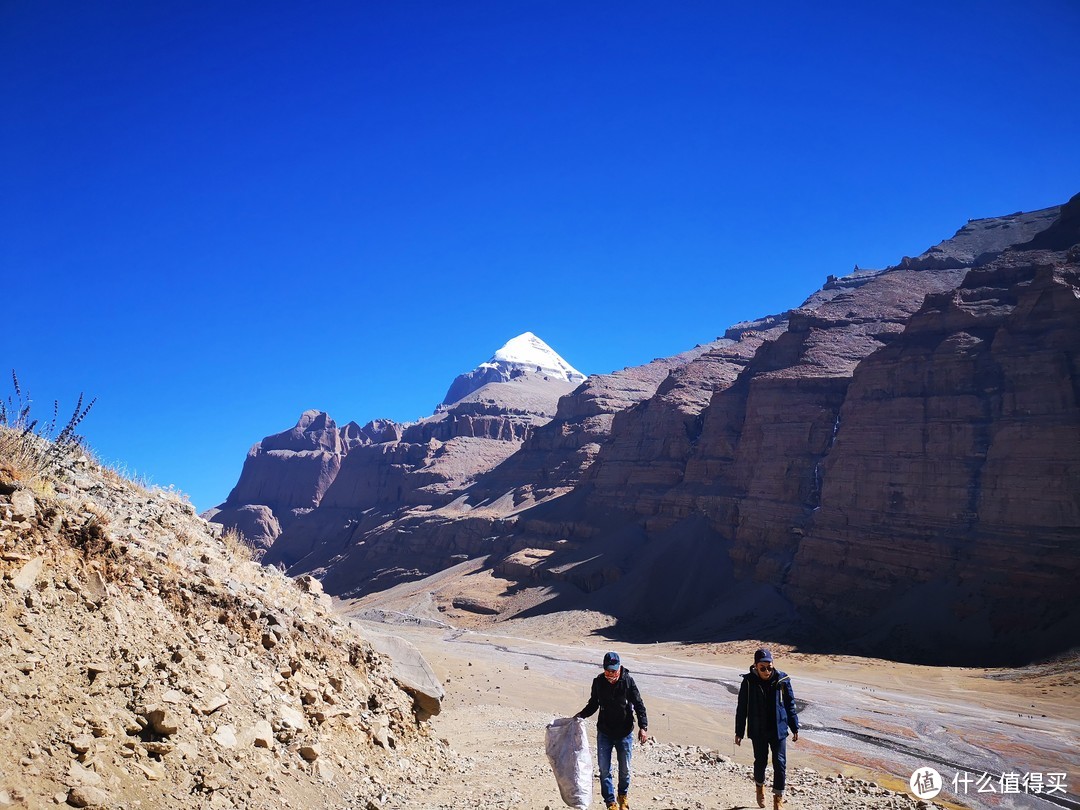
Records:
x=571, y=758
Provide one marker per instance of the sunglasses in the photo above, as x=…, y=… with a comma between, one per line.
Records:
x=765, y=667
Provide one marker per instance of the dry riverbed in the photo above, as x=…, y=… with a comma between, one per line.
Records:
x=867, y=724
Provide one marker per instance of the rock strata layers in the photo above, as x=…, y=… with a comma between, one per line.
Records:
x=951, y=496
x=287, y=474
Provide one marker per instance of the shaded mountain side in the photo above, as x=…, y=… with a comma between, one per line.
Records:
x=362, y=544
x=377, y=482
x=292, y=469
x=600, y=415
x=358, y=551
x=287, y=474
x=754, y=469
x=638, y=461
x=1062, y=234
x=650, y=442
x=940, y=522
x=672, y=458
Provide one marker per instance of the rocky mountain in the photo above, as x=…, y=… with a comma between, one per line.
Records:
x=318, y=480
x=146, y=660
x=288, y=473
x=889, y=468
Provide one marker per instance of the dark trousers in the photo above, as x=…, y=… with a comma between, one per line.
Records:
x=779, y=762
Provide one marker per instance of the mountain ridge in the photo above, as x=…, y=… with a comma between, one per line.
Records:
x=712, y=461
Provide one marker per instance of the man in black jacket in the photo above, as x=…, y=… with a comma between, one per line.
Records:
x=616, y=695
x=767, y=705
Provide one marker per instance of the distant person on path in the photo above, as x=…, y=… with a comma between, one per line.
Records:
x=767, y=704
x=616, y=695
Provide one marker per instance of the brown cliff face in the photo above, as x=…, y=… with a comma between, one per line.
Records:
x=434, y=459
x=655, y=457
x=750, y=481
x=755, y=465
x=651, y=442
x=285, y=475
x=952, y=494
x=311, y=452
x=555, y=458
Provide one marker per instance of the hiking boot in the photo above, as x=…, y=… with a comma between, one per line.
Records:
x=777, y=801
x=760, y=795
x=612, y=806
x=624, y=802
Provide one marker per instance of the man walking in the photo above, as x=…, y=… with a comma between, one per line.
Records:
x=767, y=705
x=616, y=695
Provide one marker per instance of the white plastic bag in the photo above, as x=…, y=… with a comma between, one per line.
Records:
x=568, y=752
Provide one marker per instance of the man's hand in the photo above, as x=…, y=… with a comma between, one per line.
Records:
x=738, y=740
x=642, y=735
x=794, y=736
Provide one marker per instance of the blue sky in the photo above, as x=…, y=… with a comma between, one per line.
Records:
x=217, y=215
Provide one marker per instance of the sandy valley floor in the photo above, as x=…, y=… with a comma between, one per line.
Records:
x=867, y=724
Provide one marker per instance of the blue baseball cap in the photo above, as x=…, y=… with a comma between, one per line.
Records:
x=762, y=655
x=611, y=661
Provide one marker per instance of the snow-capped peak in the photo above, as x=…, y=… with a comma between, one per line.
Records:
x=530, y=352
x=522, y=356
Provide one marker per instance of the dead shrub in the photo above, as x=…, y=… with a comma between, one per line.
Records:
x=30, y=447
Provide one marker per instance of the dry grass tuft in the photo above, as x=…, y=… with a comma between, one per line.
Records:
x=32, y=448
x=235, y=543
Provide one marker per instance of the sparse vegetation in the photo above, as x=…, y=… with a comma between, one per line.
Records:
x=32, y=446
x=237, y=547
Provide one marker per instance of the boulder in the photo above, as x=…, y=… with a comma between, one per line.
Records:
x=88, y=796
x=411, y=671
x=27, y=575
x=23, y=505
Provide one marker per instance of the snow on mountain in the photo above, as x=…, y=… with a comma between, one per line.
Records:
x=530, y=352
x=525, y=354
